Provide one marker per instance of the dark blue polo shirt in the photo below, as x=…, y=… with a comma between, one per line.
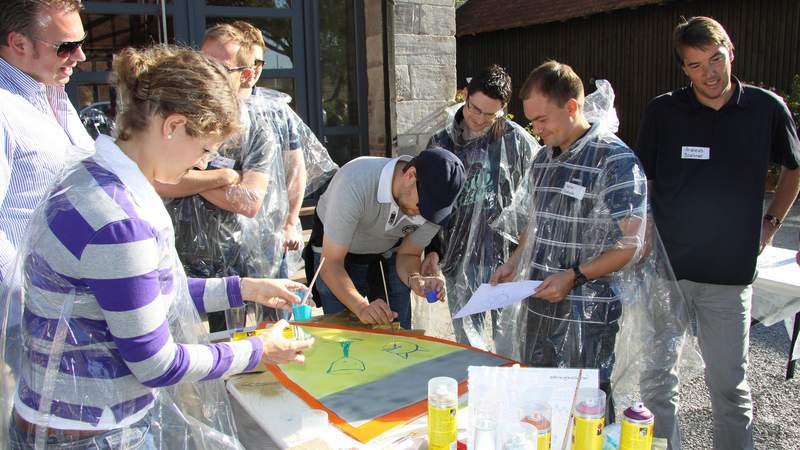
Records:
x=708, y=170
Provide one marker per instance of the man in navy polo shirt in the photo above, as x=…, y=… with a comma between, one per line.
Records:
x=705, y=149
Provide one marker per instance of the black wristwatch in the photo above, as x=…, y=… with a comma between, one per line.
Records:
x=773, y=220
x=580, y=278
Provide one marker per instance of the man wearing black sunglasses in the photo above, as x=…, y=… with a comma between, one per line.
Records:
x=40, y=45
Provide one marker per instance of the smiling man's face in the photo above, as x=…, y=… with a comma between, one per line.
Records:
x=43, y=63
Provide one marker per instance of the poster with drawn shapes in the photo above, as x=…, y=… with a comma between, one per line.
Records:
x=370, y=381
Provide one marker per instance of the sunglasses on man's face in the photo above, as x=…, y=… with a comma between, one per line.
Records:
x=64, y=48
x=236, y=69
x=259, y=63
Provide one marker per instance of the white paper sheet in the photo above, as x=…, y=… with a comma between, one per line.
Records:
x=488, y=297
x=506, y=391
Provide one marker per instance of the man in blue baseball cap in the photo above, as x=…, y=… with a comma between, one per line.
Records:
x=382, y=211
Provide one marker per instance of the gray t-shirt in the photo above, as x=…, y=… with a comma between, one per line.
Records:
x=359, y=211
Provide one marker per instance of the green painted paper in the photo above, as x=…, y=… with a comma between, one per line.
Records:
x=342, y=359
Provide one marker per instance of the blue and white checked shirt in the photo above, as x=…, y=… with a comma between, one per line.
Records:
x=38, y=125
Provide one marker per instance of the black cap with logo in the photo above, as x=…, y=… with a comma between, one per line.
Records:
x=440, y=176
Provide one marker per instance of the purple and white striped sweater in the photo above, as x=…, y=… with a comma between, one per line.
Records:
x=101, y=244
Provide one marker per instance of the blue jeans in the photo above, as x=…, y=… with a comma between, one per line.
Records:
x=399, y=294
x=138, y=436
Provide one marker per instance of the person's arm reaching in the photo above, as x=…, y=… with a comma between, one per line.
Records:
x=555, y=287
x=219, y=294
x=508, y=270
x=120, y=264
x=339, y=282
x=409, y=265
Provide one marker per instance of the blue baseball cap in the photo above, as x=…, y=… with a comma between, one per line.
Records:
x=440, y=177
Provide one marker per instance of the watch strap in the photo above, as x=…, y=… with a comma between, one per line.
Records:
x=772, y=219
x=580, y=278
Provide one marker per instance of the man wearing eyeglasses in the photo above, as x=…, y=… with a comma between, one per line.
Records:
x=302, y=166
x=218, y=212
x=40, y=45
x=496, y=153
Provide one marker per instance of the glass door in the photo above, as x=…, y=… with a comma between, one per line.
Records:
x=316, y=53
x=281, y=22
x=340, y=91
x=112, y=25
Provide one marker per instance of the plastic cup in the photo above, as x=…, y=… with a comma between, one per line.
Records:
x=236, y=318
x=431, y=295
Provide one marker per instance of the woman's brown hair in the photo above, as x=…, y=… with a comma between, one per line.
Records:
x=168, y=80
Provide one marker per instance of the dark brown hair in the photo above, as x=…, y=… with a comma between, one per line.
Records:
x=23, y=16
x=698, y=32
x=556, y=81
x=166, y=80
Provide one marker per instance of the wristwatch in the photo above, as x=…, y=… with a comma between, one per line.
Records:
x=580, y=278
x=773, y=220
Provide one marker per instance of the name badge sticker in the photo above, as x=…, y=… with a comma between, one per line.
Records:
x=688, y=152
x=222, y=162
x=573, y=190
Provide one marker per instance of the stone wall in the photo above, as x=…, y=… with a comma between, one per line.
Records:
x=425, y=69
x=376, y=99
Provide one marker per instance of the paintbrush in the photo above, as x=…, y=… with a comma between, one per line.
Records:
x=386, y=294
x=572, y=410
x=313, y=280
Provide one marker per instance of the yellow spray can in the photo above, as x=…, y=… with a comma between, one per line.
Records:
x=539, y=415
x=588, y=420
x=637, y=428
x=442, y=410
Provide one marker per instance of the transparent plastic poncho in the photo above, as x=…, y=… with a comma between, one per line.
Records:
x=302, y=166
x=496, y=164
x=575, y=206
x=213, y=241
x=290, y=130
x=66, y=367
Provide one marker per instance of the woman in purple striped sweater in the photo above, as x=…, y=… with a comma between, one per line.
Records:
x=114, y=353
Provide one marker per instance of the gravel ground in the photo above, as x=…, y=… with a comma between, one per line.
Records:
x=776, y=401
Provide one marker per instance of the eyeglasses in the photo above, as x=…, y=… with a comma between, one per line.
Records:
x=64, y=48
x=236, y=69
x=476, y=110
x=259, y=63
x=210, y=154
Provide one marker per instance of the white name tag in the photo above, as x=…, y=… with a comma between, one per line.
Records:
x=222, y=162
x=695, y=152
x=573, y=190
